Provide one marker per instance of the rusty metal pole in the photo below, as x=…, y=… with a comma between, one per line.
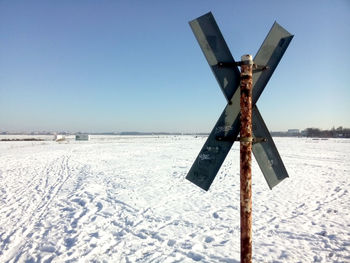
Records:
x=246, y=136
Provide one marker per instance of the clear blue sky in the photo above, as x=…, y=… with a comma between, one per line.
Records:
x=136, y=66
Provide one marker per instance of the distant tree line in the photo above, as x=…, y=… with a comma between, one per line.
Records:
x=339, y=132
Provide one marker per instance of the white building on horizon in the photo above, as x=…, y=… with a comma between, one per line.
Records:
x=82, y=137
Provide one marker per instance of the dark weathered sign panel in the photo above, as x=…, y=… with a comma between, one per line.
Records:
x=225, y=132
x=269, y=54
x=215, y=50
x=266, y=153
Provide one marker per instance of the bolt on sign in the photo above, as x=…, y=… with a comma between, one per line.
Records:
x=226, y=129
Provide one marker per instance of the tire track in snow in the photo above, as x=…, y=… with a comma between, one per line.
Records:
x=18, y=238
x=20, y=191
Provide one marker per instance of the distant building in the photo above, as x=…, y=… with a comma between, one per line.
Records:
x=293, y=131
x=59, y=137
x=82, y=137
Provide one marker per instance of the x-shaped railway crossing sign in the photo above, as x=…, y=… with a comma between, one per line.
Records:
x=225, y=132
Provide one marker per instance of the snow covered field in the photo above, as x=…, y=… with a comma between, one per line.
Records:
x=125, y=199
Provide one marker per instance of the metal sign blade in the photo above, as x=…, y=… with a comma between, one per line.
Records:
x=266, y=153
x=269, y=54
x=215, y=50
x=214, y=151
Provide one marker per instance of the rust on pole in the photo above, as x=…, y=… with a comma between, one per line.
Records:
x=246, y=142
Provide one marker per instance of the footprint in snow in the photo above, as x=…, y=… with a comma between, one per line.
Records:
x=69, y=242
x=99, y=206
x=322, y=233
x=95, y=235
x=195, y=256
x=79, y=201
x=209, y=239
x=186, y=245
x=171, y=243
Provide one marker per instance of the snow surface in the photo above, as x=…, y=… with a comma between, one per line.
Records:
x=125, y=199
